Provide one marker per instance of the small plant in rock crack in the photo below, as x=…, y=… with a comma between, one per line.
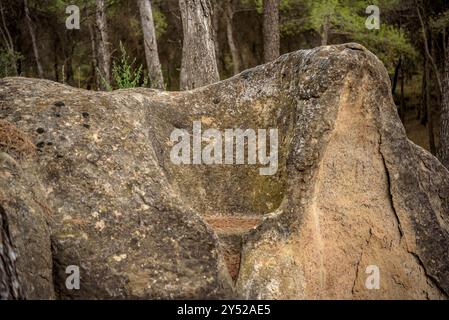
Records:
x=125, y=75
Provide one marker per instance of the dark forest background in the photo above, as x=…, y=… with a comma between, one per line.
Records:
x=412, y=42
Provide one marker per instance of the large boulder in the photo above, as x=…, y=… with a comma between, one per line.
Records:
x=115, y=216
x=350, y=192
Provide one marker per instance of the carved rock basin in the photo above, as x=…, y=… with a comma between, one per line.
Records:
x=350, y=191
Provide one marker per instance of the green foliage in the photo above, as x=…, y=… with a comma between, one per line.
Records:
x=440, y=23
x=134, y=22
x=347, y=19
x=294, y=17
x=320, y=10
x=124, y=73
x=256, y=4
x=57, y=7
x=8, y=63
x=160, y=22
x=389, y=44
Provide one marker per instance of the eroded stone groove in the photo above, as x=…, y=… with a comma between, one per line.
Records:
x=231, y=231
x=350, y=190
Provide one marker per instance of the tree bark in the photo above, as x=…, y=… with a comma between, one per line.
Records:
x=325, y=31
x=199, y=64
x=56, y=60
x=395, y=77
x=444, y=120
x=6, y=34
x=429, y=111
x=422, y=112
x=68, y=67
x=217, y=9
x=93, y=81
x=94, y=57
x=444, y=44
x=402, y=102
x=40, y=71
x=230, y=36
x=271, y=36
x=150, y=44
x=104, y=54
x=426, y=48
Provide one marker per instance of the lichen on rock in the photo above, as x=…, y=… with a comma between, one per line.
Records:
x=350, y=190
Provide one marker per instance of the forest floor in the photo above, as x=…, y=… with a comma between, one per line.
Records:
x=416, y=131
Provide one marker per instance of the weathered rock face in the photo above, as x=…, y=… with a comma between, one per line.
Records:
x=115, y=215
x=25, y=249
x=350, y=190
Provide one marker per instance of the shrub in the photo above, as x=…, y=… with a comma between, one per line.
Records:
x=125, y=75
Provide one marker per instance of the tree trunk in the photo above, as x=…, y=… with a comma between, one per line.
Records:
x=445, y=43
x=93, y=81
x=426, y=47
x=19, y=60
x=422, y=116
x=104, y=54
x=230, y=36
x=94, y=57
x=40, y=71
x=402, y=102
x=68, y=68
x=325, y=31
x=429, y=111
x=150, y=44
x=199, y=64
x=271, y=36
x=56, y=60
x=6, y=34
x=217, y=9
x=395, y=77
x=444, y=120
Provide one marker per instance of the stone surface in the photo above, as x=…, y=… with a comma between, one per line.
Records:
x=25, y=248
x=351, y=190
